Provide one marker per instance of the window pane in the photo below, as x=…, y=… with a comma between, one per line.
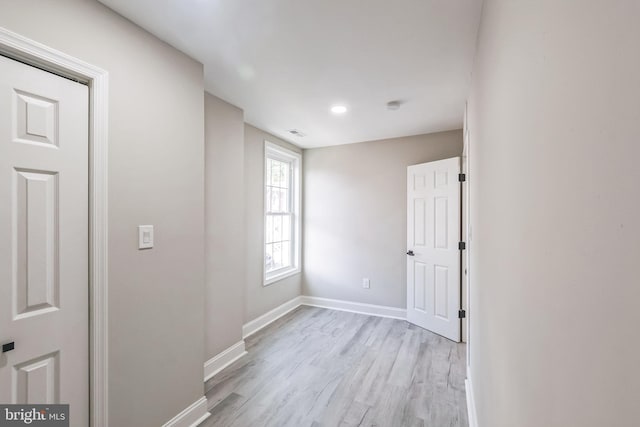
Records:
x=284, y=200
x=268, y=172
x=277, y=256
x=286, y=227
x=286, y=254
x=268, y=201
x=277, y=228
x=282, y=167
x=285, y=175
x=275, y=173
x=275, y=200
x=268, y=229
x=277, y=168
x=268, y=257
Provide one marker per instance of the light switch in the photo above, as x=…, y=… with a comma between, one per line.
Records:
x=145, y=236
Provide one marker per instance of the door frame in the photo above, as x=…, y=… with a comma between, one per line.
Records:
x=36, y=54
x=466, y=235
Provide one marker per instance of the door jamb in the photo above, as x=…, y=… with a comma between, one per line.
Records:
x=36, y=54
x=466, y=234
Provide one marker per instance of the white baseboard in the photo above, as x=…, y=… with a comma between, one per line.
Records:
x=356, y=307
x=255, y=325
x=471, y=402
x=192, y=416
x=220, y=361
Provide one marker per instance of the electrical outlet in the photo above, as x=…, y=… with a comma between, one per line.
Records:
x=366, y=283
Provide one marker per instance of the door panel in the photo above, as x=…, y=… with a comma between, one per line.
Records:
x=440, y=222
x=419, y=231
x=441, y=291
x=37, y=380
x=36, y=217
x=433, y=232
x=44, y=239
x=420, y=286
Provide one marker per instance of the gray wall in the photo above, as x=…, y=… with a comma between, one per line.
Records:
x=554, y=177
x=260, y=299
x=156, y=176
x=355, y=215
x=225, y=224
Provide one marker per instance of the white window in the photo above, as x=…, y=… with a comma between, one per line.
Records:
x=281, y=213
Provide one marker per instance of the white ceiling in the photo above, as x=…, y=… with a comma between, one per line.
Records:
x=286, y=62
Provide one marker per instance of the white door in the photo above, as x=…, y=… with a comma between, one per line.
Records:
x=433, y=257
x=44, y=239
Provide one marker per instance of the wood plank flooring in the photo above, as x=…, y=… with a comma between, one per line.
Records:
x=316, y=367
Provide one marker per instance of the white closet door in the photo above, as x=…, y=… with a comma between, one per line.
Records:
x=44, y=239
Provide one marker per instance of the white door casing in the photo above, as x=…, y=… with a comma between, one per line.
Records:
x=44, y=238
x=463, y=229
x=466, y=234
x=433, y=257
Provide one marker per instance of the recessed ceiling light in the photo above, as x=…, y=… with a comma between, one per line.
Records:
x=338, y=109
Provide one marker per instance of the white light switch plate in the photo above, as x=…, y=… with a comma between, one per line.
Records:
x=145, y=236
x=366, y=283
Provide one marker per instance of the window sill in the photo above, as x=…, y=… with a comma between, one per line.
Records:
x=283, y=275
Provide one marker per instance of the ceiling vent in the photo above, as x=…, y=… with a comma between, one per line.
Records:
x=297, y=133
x=394, y=105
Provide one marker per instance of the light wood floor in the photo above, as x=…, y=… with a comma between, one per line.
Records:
x=316, y=367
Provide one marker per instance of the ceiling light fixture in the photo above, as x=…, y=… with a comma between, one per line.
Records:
x=338, y=109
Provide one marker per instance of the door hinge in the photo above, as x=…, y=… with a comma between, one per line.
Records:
x=462, y=177
x=462, y=314
x=8, y=346
x=462, y=246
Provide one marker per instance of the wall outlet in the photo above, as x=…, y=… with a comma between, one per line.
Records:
x=366, y=283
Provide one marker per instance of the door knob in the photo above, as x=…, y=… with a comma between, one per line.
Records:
x=8, y=346
x=410, y=253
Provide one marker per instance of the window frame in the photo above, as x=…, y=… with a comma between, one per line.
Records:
x=282, y=154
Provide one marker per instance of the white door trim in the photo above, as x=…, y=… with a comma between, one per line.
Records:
x=33, y=53
x=466, y=233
